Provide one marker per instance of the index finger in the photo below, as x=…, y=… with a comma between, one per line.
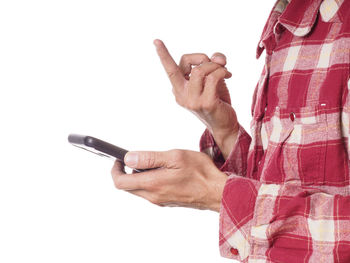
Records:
x=140, y=181
x=172, y=69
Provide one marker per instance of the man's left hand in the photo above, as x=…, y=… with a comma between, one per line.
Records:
x=182, y=178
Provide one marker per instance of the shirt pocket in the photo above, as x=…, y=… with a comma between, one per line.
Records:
x=337, y=157
x=296, y=146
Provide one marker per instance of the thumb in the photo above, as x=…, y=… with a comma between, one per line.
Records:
x=219, y=58
x=145, y=160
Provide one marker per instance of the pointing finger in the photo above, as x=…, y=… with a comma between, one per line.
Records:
x=174, y=73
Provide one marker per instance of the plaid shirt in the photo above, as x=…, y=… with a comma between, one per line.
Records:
x=287, y=198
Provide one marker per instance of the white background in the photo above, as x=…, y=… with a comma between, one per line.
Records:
x=90, y=67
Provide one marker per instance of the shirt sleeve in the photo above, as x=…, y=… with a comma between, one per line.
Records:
x=236, y=162
x=286, y=222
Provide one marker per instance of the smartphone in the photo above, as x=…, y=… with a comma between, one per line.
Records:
x=99, y=147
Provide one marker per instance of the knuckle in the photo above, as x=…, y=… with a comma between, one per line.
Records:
x=204, y=57
x=184, y=58
x=171, y=74
x=117, y=183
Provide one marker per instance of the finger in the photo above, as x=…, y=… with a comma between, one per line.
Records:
x=212, y=80
x=118, y=168
x=189, y=60
x=198, y=75
x=117, y=171
x=137, y=181
x=174, y=73
x=219, y=58
x=228, y=74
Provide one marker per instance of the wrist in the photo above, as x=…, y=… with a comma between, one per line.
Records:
x=216, y=191
x=226, y=139
x=223, y=134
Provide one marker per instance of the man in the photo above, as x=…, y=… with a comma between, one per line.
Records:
x=283, y=193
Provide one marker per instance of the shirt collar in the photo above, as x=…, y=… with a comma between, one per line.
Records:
x=297, y=16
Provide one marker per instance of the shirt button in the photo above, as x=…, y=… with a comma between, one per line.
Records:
x=292, y=116
x=234, y=251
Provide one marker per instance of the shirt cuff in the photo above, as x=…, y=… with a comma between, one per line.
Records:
x=236, y=217
x=236, y=162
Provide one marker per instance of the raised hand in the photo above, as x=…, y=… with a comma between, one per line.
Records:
x=203, y=91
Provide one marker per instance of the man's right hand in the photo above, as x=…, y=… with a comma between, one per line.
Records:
x=203, y=91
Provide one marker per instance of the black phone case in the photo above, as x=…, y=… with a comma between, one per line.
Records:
x=99, y=147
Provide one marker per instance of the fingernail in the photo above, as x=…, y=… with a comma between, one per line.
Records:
x=131, y=159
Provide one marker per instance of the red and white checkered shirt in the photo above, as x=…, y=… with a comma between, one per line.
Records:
x=287, y=198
